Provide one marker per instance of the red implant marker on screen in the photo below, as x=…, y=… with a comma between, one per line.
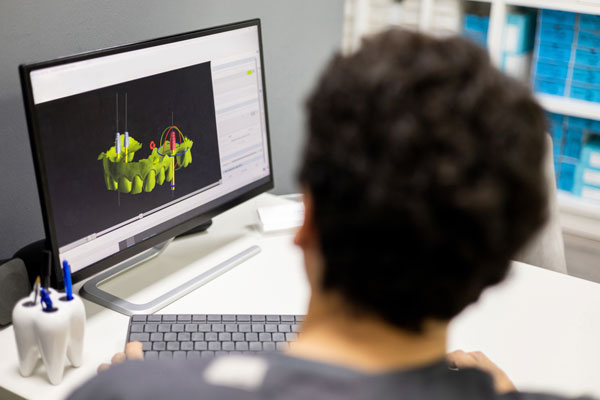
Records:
x=173, y=146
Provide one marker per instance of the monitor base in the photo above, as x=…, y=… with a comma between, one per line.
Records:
x=199, y=229
x=90, y=290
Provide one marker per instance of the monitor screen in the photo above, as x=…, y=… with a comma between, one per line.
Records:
x=139, y=143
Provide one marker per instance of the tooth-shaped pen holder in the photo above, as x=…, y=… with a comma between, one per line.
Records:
x=49, y=334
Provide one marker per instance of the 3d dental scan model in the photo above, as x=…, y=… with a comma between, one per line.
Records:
x=123, y=174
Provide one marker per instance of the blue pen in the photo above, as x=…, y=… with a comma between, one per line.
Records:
x=67, y=276
x=45, y=300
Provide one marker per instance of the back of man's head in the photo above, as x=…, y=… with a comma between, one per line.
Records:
x=425, y=166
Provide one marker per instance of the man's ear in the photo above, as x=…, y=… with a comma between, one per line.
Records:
x=305, y=236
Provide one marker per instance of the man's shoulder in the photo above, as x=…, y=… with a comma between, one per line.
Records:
x=539, y=396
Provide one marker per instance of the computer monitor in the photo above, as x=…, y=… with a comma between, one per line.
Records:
x=137, y=144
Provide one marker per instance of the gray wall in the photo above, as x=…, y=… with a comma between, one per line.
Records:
x=298, y=37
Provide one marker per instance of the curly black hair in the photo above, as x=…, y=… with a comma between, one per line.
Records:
x=425, y=164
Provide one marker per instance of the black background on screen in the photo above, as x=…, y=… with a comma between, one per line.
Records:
x=74, y=130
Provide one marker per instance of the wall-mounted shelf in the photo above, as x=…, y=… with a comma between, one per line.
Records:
x=568, y=106
x=578, y=216
x=581, y=6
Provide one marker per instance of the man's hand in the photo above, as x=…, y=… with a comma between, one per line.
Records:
x=477, y=359
x=133, y=351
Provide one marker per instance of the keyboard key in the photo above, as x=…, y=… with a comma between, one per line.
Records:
x=299, y=318
x=156, y=337
x=252, y=337
x=258, y=318
x=203, y=328
x=296, y=328
x=172, y=346
x=177, y=328
x=139, y=318
x=207, y=354
x=270, y=328
x=224, y=337
x=187, y=346
x=287, y=318
x=184, y=318
x=264, y=337
x=258, y=328
x=255, y=346
x=146, y=346
x=193, y=355
x=214, y=346
x=180, y=355
x=200, y=346
x=151, y=328
x=272, y=318
x=184, y=336
x=281, y=346
x=243, y=318
x=191, y=327
x=291, y=337
x=231, y=328
x=278, y=337
x=169, y=318
x=218, y=327
x=199, y=317
x=164, y=328
x=159, y=346
x=238, y=337
x=241, y=346
x=210, y=336
x=284, y=328
x=151, y=355
x=220, y=353
x=268, y=346
x=228, y=346
x=213, y=318
x=170, y=337
x=137, y=328
x=244, y=328
x=154, y=318
x=165, y=355
x=139, y=337
x=197, y=336
x=228, y=318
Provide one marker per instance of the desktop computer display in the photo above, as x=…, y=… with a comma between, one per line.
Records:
x=136, y=144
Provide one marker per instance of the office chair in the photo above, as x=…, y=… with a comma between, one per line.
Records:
x=547, y=249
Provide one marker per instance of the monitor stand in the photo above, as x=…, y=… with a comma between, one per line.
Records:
x=199, y=229
x=92, y=292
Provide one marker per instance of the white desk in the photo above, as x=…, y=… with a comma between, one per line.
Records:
x=541, y=327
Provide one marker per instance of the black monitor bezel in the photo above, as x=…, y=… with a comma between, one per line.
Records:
x=40, y=172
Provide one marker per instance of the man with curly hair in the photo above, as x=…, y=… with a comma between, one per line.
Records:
x=422, y=178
